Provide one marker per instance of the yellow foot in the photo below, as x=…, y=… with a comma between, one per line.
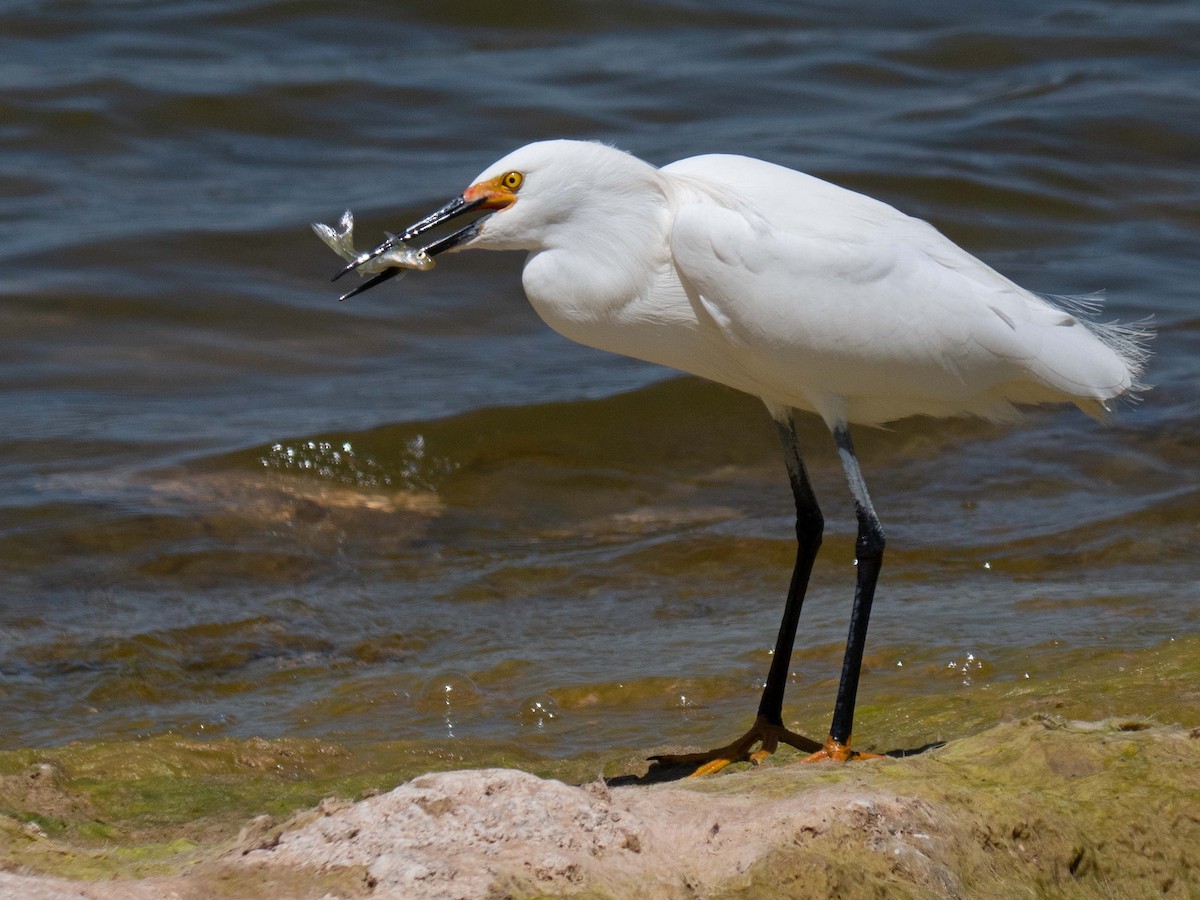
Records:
x=838, y=752
x=769, y=735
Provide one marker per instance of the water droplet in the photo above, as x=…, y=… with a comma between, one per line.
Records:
x=538, y=710
x=448, y=694
x=449, y=690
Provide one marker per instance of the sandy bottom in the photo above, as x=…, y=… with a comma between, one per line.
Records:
x=1042, y=807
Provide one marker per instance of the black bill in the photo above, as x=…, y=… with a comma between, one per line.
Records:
x=455, y=207
x=440, y=246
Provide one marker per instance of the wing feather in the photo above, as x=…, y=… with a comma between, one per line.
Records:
x=820, y=292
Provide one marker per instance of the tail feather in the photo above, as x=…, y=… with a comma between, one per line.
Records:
x=1081, y=369
x=1129, y=341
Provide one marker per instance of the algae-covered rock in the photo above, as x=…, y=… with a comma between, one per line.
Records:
x=1038, y=808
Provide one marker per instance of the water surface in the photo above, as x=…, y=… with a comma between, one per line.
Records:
x=230, y=505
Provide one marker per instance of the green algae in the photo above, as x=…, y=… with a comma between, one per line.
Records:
x=1030, y=800
x=1160, y=683
x=1038, y=808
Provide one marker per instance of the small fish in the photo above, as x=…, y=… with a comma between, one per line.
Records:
x=341, y=241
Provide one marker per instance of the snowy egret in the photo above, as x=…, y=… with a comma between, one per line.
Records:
x=794, y=290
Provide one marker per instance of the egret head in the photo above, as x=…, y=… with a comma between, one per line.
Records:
x=536, y=195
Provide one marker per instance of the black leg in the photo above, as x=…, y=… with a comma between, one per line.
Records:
x=768, y=729
x=869, y=550
x=809, y=527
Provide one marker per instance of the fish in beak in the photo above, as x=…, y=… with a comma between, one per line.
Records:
x=492, y=195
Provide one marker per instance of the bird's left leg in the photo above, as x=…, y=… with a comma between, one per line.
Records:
x=869, y=556
x=768, y=729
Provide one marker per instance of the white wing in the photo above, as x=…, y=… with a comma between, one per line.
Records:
x=833, y=301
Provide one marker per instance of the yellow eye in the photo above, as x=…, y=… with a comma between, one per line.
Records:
x=511, y=180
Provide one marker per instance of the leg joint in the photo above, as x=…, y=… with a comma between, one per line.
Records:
x=810, y=526
x=871, y=538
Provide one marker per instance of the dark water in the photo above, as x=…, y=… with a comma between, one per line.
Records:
x=230, y=505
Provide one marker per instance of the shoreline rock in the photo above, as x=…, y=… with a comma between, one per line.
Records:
x=1040, y=807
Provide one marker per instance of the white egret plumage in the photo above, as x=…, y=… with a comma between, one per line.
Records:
x=794, y=290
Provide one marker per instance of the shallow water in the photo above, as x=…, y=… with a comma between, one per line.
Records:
x=233, y=506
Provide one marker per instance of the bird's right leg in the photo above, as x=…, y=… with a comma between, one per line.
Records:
x=768, y=729
x=869, y=558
